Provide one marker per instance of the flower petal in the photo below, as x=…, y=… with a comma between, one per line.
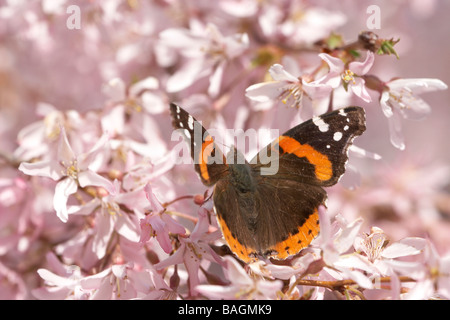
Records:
x=186, y=75
x=217, y=292
x=265, y=91
x=103, y=233
x=385, y=104
x=55, y=280
x=278, y=73
x=154, y=202
x=336, y=65
x=149, y=83
x=359, y=89
x=162, y=234
x=49, y=169
x=215, y=80
x=65, y=152
x=404, y=247
x=418, y=85
x=90, y=178
x=332, y=79
x=395, y=130
x=90, y=159
x=175, y=258
x=346, y=237
x=63, y=190
x=316, y=90
x=126, y=228
x=361, y=68
x=172, y=225
x=236, y=273
x=115, y=89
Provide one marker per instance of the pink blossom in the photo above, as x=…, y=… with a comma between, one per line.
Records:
x=71, y=171
x=111, y=217
x=287, y=87
x=13, y=286
x=208, y=52
x=142, y=94
x=299, y=23
x=241, y=285
x=400, y=98
x=348, y=76
x=111, y=283
x=194, y=250
x=335, y=241
x=381, y=253
x=158, y=223
x=434, y=281
x=85, y=131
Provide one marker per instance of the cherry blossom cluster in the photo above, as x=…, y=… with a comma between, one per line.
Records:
x=93, y=204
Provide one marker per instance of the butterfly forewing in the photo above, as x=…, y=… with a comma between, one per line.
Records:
x=315, y=151
x=209, y=162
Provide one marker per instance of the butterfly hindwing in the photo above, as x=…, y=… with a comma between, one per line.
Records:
x=278, y=222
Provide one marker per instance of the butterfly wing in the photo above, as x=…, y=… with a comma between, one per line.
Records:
x=209, y=161
x=315, y=151
x=277, y=220
x=309, y=156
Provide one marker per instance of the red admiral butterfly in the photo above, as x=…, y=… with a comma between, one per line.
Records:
x=274, y=215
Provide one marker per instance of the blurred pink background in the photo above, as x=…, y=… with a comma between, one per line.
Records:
x=42, y=61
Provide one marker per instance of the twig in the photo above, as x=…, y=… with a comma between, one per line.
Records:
x=338, y=284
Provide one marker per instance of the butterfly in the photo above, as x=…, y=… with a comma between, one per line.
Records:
x=267, y=212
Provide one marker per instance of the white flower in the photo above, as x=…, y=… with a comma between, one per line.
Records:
x=71, y=171
x=286, y=86
x=208, y=52
x=400, y=97
x=241, y=286
x=349, y=76
x=435, y=279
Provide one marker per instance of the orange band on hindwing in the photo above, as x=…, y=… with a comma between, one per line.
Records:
x=323, y=166
x=296, y=242
x=244, y=253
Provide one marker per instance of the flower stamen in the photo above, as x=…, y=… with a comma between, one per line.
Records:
x=295, y=92
x=348, y=76
x=71, y=169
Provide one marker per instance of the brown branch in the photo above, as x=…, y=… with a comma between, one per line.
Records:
x=338, y=284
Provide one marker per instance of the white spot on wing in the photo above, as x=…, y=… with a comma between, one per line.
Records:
x=337, y=136
x=342, y=112
x=191, y=123
x=346, y=128
x=318, y=121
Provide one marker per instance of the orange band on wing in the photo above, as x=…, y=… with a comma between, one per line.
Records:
x=207, y=148
x=324, y=168
x=244, y=253
x=296, y=242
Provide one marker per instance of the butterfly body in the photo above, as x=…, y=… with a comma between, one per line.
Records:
x=270, y=208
